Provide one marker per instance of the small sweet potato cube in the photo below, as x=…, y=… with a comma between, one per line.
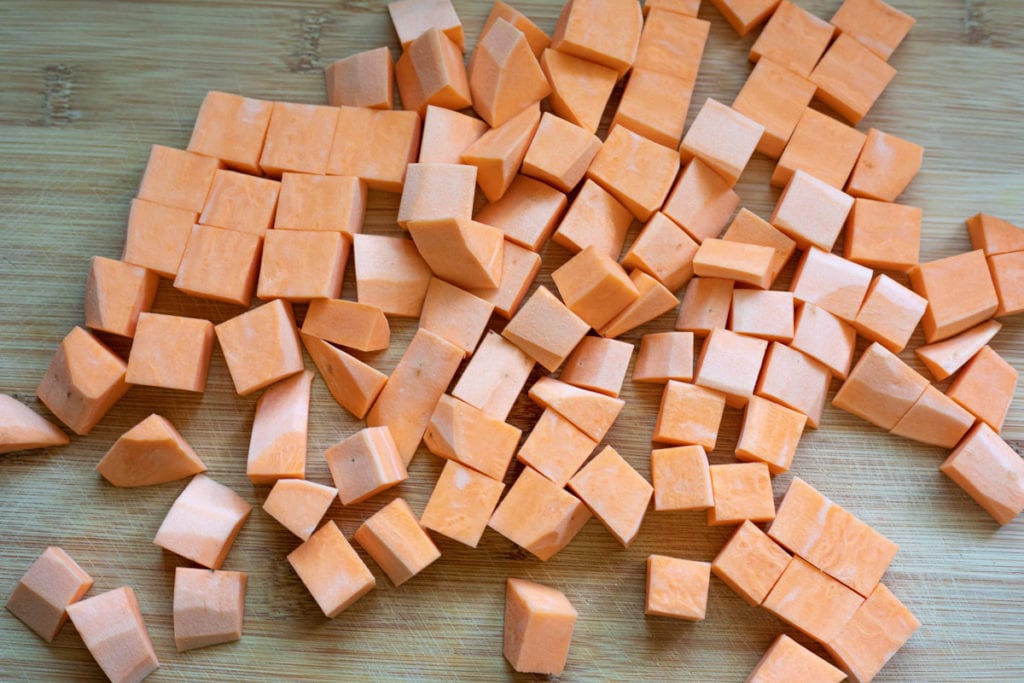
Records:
x=411, y=18
x=788, y=660
x=664, y=251
x=546, y=329
x=560, y=152
x=538, y=515
x=365, y=464
x=112, y=629
x=447, y=134
x=664, y=356
x=990, y=471
x=298, y=139
x=467, y=435
x=762, y=314
x=203, y=522
x=592, y=412
x=960, y=293
x=277, y=445
x=43, y=594
x=655, y=104
x=821, y=146
x=881, y=388
x=397, y=543
x=555, y=447
x=832, y=283
x=994, y=235
x=461, y=503
x=241, y=202
x=811, y=212
x=701, y=201
x=363, y=79
x=220, y=264
x=332, y=570
x=812, y=601
x=358, y=326
x=770, y=434
x=985, y=387
x=749, y=264
x=598, y=364
x=877, y=630
x=750, y=563
x=460, y=250
x=527, y=213
x=773, y=96
x=208, y=607
x=299, y=265
x=434, y=191
x=538, y=40
x=156, y=236
x=602, y=31
x=883, y=235
x=655, y=299
x=375, y=145
x=730, y=363
x=850, y=78
x=946, y=357
x=390, y=274
x=539, y=621
x=519, y=268
x=885, y=168
x=890, y=313
x=1008, y=277
x=614, y=169
x=21, y=428
x=794, y=38
x=689, y=415
x=672, y=42
x=744, y=15
x=83, y=381
x=681, y=478
x=820, y=335
x=299, y=505
x=231, y=128
x=353, y=384
x=795, y=381
x=498, y=154
x=742, y=491
x=321, y=202
x=595, y=218
x=594, y=287
x=935, y=419
x=580, y=89
x=722, y=138
x=115, y=294
x=876, y=24
x=455, y=314
x=261, y=346
x=177, y=179
x=677, y=588
x=504, y=75
x=151, y=452
x=494, y=376
x=705, y=306
x=431, y=71
x=615, y=492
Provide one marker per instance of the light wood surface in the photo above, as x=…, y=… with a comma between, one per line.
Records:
x=88, y=86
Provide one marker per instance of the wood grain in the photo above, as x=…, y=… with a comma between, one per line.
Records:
x=88, y=86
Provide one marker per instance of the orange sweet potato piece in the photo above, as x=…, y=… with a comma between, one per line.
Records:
x=794, y=38
x=664, y=251
x=504, y=75
x=555, y=447
x=298, y=139
x=300, y=265
x=889, y=314
x=615, y=492
x=537, y=38
x=820, y=335
x=353, y=384
x=469, y=436
x=431, y=71
x=722, y=138
x=518, y=270
x=363, y=79
x=546, y=329
x=811, y=211
x=208, y=607
x=655, y=299
x=412, y=17
x=115, y=294
x=687, y=7
x=949, y=355
x=499, y=153
x=885, y=168
x=615, y=169
x=850, y=78
x=701, y=201
x=395, y=540
x=539, y=621
x=390, y=274
x=156, y=236
x=1008, y=277
x=220, y=264
x=672, y=42
x=41, y=598
x=935, y=419
x=596, y=218
x=832, y=283
x=812, y=601
x=331, y=203
x=655, y=104
x=332, y=570
x=365, y=464
x=750, y=563
x=664, y=356
x=744, y=15
x=260, y=346
x=594, y=287
x=763, y=314
x=231, y=128
x=960, y=293
x=178, y=179
x=277, y=445
x=598, y=364
x=986, y=387
x=434, y=191
x=494, y=376
x=990, y=471
x=602, y=31
x=821, y=146
x=883, y=235
x=681, y=478
x=460, y=250
x=677, y=588
x=770, y=434
x=151, y=452
x=730, y=363
x=560, y=152
x=876, y=24
x=447, y=134
x=580, y=89
x=22, y=429
x=455, y=314
x=689, y=415
x=773, y=96
x=299, y=505
x=113, y=631
x=203, y=522
x=881, y=388
x=591, y=412
x=788, y=660
x=461, y=503
x=742, y=491
x=738, y=261
x=241, y=202
x=358, y=326
x=877, y=630
x=994, y=235
x=705, y=306
x=794, y=380
x=527, y=213
x=375, y=145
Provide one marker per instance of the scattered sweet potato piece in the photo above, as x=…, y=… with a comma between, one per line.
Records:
x=151, y=452
x=431, y=71
x=277, y=445
x=358, y=326
x=113, y=631
x=722, y=138
x=985, y=387
x=615, y=169
x=880, y=389
x=208, y=607
x=203, y=522
x=689, y=415
x=560, y=152
x=878, y=25
x=519, y=268
x=231, y=128
x=298, y=139
x=396, y=541
x=890, y=313
x=730, y=363
x=537, y=38
x=615, y=492
x=467, y=435
x=655, y=299
x=601, y=31
x=527, y=213
x=681, y=478
x=592, y=412
x=539, y=621
x=594, y=287
x=821, y=146
x=178, y=179
x=299, y=505
x=877, y=630
x=220, y=264
x=365, y=464
x=1008, y=277
x=461, y=503
x=455, y=314
x=47, y=589
x=156, y=236
x=241, y=202
x=447, y=134
x=596, y=218
x=390, y=274
x=546, y=329
x=960, y=294
x=750, y=563
x=115, y=294
x=832, y=283
x=375, y=145
x=812, y=601
x=883, y=235
x=773, y=96
x=655, y=104
x=994, y=235
x=598, y=364
x=412, y=17
x=580, y=89
x=499, y=153
x=494, y=376
x=742, y=491
x=555, y=447
x=850, y=78
x=990, y=471
x=788, y=660
x=353, y=384
x=434, y=191
x=664, y=356
x=744, y=15
x=947, y=356
x=331, y=570
x=261, y=346
x=770, y=434
x=687, y=7
x=22, y=429
x=664, y=251
x=677, y=588
x=705, y=306
x=794, y=38
x=363, y=79
x=300, y=265
x=701, y=201
x=504, y=75
x=738, y=261
x=822, y=336
x=673, y=43
x=811, y=211
x=331, y=203
x=794, y=380
x=460, y=250
x=936, y=420
x=763, y=314
x=885, y=168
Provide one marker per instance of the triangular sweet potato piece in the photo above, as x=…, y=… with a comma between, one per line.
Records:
x=151, y=452
x=591, y=412
x=655, y=299
x=22, y=429
x=463, y=252
x=460, y=432
x=353, y=384
x=580, y=90
x=994, y=235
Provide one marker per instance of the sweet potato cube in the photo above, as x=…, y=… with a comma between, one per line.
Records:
x=447, y=134
x=885, y=168
x=788, y=660
x=592, y=412
x=321, y=202
x=83, y=381
x=689, y=415
x=358, y=326
x=742, y=491
x=985, y=387
x=687, y=7
x=435, y=191
x=614, y=169
x=772, y=96
x=353, y=384
x=595, y=218
x=546, y=329
x=598, y=364
x=241, y=202
x=744, y=15
x=363, y=79
x=681, y=478
x=580, y=89
x=794, y=38
x=299, y=505
x=601, y=31
x=655, y=104
x=331, y=569
x=701, y=201
x=555, y=447
x=877, y=630
x=203, y=522
x=664, y=356
x=467, y=435
x=390, y=274
x=594, y=287
x=876, y=24
x=455, y=314
x=960, y=293
x=750, y=563
x=664, y=251
x=231, y=128
x=850, y=78
x=396, y=542
x=208, y=607
x=48, y=588
x=946, y=357
x=705, y=305
x=365, y=464
x=655, y=299
x=375, y=145
x=151, y=452
x=770, y=434
x=299, y=265
x=498, y=154
x=821, y=146
x=411, y=18
x=831, y=283
x=820, y=335
x=750, y=264
x=112, y=629
x=527, y=213
x=298, y=139
x=460, y=250
x=722, y=138
x=795, y=381
x=811, y=211
x=219, y=264
x=413, y=390
x=431, y=71
x=883, y=235
x=880, y=389
x=890, y=313
x=21, y=428
x=115, y=294
x=461, y=503
x=616, y=493
x=990, y=471
x=677, y=588
x=672, y=43
x=177, y=179
x=156, y=236
x=1008, y=277
x=261, y=346
x=762, y=314
x=560, y=152
x=539, y=621
x=519, y=268
x=277, y=445
x=935, y=419
x=812, y=601
x=538, y=515
x=994, y=235
x=538, y=40
x=730, y=363
x=494, y=376
x=504, y=75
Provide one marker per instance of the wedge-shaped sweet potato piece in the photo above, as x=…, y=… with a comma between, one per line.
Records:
x=151, y=452
x=395, y=540
x=299, y=505
x=461, y=251
x=467, y=435
x=499, y=153
x=353, y=384
x=43, y=594
x=112, y=628
x=22, y=429
x=362, y=327
x=277, y=446
x=591, y=412
x=203, y=522
x=208, y=607
x=504, y=75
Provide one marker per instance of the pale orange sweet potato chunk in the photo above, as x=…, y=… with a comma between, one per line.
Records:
x=413, y=17
x=883, y=235
x=990, y=471
x=113, y=631
x=375, y=145
x=560, y=152
x=960, y=293
x=763, y=314
x=434, y=191
x=555, y=447
x=299, y=505
x=156, y=236
x=539, y=622
x=151, y=452
x=22, y=429
x=277, y=444
x=461, y=503
x=885, y=168
x=701, y=202
x=812, y=601
x=744, y=15
x=881, y=388
x=878, y=25
x=890, y=313
x=241, y=202
x=390, y=274
x=664, y=356
x=494, y=376
x=811, y=211
x=115, y=294
x=750, y=264
x=655, y=299
x=527, y=213
x=672, y=42
x=742, y=491
x=601, y=31
x=821, y=146
x=580, y=89
x=994, y=235
x=664, y=251
x=460, y=250
x=681, y=478
x=231, y=128
x=705, y=305
x=794, y=38
x=302, y=265
x=770, y=434
x=298, y=138
x=346, y=323
x=519, y=268
x=595, y=218
x=467, y=435
x=655, y=104
x=677, y=588
x=353, y=384
x=949, y=355
x=504, y=75
x=598, y=364
x=313, y=202
x=332, y=570
x=592, y=412
x=365, y=464
x=208, y=607
x=395, y=540
x=594, y=287
x=794, y=380
x=546, y=329
x=260, y=346
x=986, y=387
x=363, y=79
x=41, y=598
x=537, y=38
x=935, y=419
x=788, y=660
x=615, y=168
x=750, y=563
x=498, y=154
x=203, y=522
x=447, y=134
x=831, y=282
x=877, y=630
x=730, y=363
x=615, y=492
x=774, y=97
x=850, y=78
x=178, y=179
x=687, y=7
x=455, y=314
x=723, y=138
x=220, y=264
x=689, y=415
x=820, y=335
x=431, y=71
x=1008, y=277
x=170, y=351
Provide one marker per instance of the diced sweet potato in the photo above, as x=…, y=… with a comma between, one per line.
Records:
x=598, y=364
x=455, y=314
x=331, y=570
x=498, y=154
x=375, y=145
x=960, y=293
x=560, y=152
x=435, y=191
x=519, y=267
x=878, y=25
x=22, y=429
x=672, y=42
x=220, y=264
x=358, y=326
x=447, y=134
x=241, y=202
x=986, y=387
x=677, y=588
x=877, y=630
x=539, y=621
x=885, y=168
x=832, y=283
x=655, y=104
x=883, y=235
x=935, y=419
x=170, y=351
x=812, y=601
x=616, y=493
x=208, y=607
x=431, y=71
x=773, y=96
x=994, y=235
x=701, y=202
x=494, y=376
x=742, y=491
x=770, y=434
x=157, y=236
x=990, y=471
x=41, y=598
x=689, y=415
x=231, y=128
x=664, y=251
x=112, y=628
x=298, y=139
x=747, y=263
x=116, y=293
x=412, y=17
x=151, y=452
x=762, y=314
x=546, y=329
x=365, y=464
x=821, y=146
x=538, y=40
x=794, y=38
x=555, y=447
x=301, y=265
x=461, y=503
x=750, y=563
x=390, y=274
x=705, y=306
x=203, y=522
x=949, y=355
x=681, y=478
x=299, y=505
x=277, y=445
x=504, y=75
x=794, y=380
x=890, y=313
x=655, y=300
x=595, y=218
x=820, y=335
x=1008, y=277
x=881, y=388
x=664, y=356
x=788, y=660
x=811, y=212
x=260, y=346
x=850, y=78
x=527, y=213
x=730, y=363
x=353, y=384
x=363, y=79
x=467, y=435
x=460, y=250
x=723, y=138
x=615, y=169
x=592, y=412
x=178, y=179
x=601, y=31
x=396, y=541
x=594, y=287
x=580, y=89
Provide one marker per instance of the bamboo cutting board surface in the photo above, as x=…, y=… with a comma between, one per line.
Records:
x=89, y=86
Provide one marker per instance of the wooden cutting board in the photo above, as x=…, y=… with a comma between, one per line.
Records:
x=88, y=86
